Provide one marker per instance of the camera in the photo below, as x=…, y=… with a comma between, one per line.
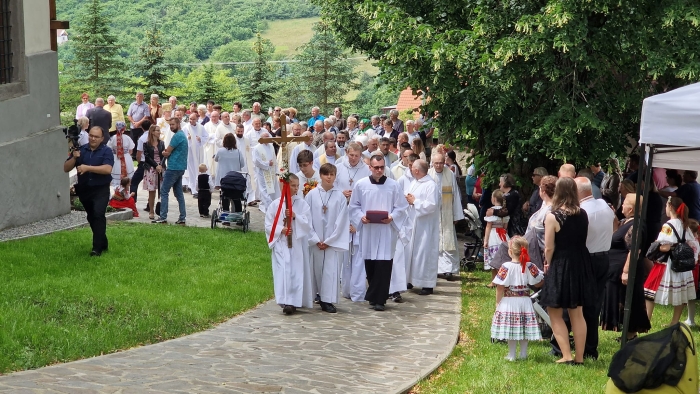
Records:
x=73, y=135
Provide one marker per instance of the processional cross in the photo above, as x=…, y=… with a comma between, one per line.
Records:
x=286, y=194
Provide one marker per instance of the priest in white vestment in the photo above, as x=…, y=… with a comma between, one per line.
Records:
x=353, y=276
x=329, y=238
x=424, y=199
x=210, y=147
x=377, y=236
x=330, y=156
x=291, y=269
x=241, y=145
x=252, y=135
x=197, y=137
x=268, y=183
x=399, y=272
x=164, y=123
x=306, y=145
x=401, y=166
x=450, y=213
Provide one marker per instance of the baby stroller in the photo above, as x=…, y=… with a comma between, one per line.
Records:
x=233, y=195
x=474, y=231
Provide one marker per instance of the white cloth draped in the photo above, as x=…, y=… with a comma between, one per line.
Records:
x=451, y=211
x=423, y=264
x=127, y=146
x=197, y=138
x=210, y=147
x=268, y=185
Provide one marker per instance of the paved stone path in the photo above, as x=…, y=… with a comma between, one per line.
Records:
x=357, y=350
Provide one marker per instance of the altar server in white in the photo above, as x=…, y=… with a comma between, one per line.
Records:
x=329, y=238
x=197, y=137
x=210, y=147
x=354, y=279
x=424, y=200
x=377, y=240
x=450, y=213
x=306, y=145
x=291, y=270
x=264, y=160
x=252, y=135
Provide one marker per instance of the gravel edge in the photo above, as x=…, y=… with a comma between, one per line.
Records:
x=72, y=220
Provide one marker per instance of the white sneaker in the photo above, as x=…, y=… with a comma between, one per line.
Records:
x=689, y=323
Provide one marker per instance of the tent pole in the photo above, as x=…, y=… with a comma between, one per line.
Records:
x=637, y=231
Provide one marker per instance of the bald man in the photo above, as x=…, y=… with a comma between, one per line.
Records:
x=567, y=171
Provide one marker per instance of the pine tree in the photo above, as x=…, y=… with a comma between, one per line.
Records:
x=323, y=73
x=260, y=87
x=151, y=64
x=208, y=89
x=97, y=62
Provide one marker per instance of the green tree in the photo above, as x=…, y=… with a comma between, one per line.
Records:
x=259, y=82
x=208, y=88
x=150, y=65
x=323, y=74
x=97, y=64
x=374, y=95
x=529, y=81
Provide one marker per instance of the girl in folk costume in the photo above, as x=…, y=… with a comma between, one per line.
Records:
x=664, y=286
x=122, y=198
x=496, y=232
x=291, y=267
x=515, y=320
x=121, y=145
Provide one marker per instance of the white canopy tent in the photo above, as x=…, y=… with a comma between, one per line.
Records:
x=669, y=137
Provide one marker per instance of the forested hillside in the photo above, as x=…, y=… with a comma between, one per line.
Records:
x=193, y=29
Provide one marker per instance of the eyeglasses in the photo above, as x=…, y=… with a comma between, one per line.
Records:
x=378, y=167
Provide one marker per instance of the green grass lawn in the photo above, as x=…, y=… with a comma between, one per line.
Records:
x=477, y=366
x=155, y=283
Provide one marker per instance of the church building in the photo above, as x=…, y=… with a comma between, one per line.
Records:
x=33, y=185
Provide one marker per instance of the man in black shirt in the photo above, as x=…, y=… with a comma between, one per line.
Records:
x=94, y=162
x=99, y=116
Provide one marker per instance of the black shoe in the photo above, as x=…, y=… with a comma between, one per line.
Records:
x=159, y=221
x=195, y=196
x=95, y=253
x=288, y=309
x=397, y=297
x=450, y=277
x=426, y=291
x=409, y=286
x=147, y=209
x=180, y=222
x=379, y=307
x=317, y=299
x=589, y=356
x=555, y=353
x=371, y=305
x=328, y=307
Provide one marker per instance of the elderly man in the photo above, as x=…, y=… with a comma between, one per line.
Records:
x=246, y=119
x=257, y=113
x=117, y=113
x=567, y=171
x=325, y=137
x=210, y=147
x=600, y=230
x=424, y=200
x=315, y=116
x=173, y=104
x=397, y=123
x=137, y=113
x=376, y=124
x=378, y=232
x=328, y=126
x=535, y=202
x=225, y=127
x=252, y=135
x=330, y=156
x=412, y=131
x=450, y=213
x=265, y=172
x=403, y=164
x=372, y=146
x=318, y=131
x=197, y=137
x=100, y=117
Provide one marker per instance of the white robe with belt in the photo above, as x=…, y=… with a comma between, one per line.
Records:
x=252, y=136
x=423, y=261
x=330, y=227
x=450, y=212
x=377, y=240
x=195, y=156
x=291, y=269
x=353, y=275
x=266, y=174
x=210, y=148
x=402, y=256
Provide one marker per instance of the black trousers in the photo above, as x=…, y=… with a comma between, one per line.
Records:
x=591, y=313
x=379, y=279
x=95, y=199
x=204, y=202
x=135, y=134
x=137, y=178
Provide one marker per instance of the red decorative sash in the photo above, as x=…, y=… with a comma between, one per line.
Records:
x=285, y=199
x=120, y=152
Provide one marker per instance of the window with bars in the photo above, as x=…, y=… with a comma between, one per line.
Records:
x=5, y=43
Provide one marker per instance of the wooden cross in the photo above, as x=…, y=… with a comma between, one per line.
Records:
x=284, y=139
x=54, y=25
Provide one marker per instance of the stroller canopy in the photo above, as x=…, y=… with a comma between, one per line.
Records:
x=234, y=180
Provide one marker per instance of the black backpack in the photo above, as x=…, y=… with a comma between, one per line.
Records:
x=682, y=255
x=651, y=360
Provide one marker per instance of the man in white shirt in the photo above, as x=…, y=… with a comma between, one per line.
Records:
x=327, y=137
x=210, y=147
x=600, y=231
x=330, y=156
x=340, y=142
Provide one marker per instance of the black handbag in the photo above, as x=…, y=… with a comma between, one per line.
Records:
x=682, y=255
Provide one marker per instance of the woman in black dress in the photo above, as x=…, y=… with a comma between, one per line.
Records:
x=616, y=287
x=567, y=268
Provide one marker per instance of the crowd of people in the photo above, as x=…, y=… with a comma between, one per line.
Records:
x=577, y=245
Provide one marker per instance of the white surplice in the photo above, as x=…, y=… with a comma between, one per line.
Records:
x=210, y=148
x=304, y=179
x=353, y=275
x=377, y=240
x=293, y=166
x=266, y=174
x=252, y=136
x=423, y=262
x=291, y=269
x=195, y=156
x=402, y=256
x=450, y=212
x=330, y=226
x=242, y=146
